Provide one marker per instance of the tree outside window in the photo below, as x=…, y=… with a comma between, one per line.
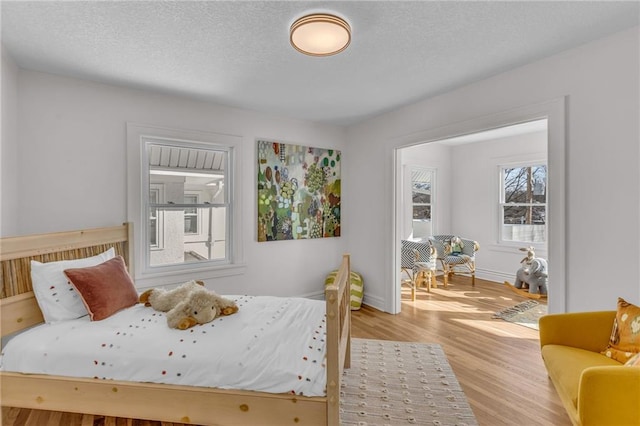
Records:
x=523, y=205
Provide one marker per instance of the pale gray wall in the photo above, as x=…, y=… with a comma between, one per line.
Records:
x=475, y=200
x=70, y=164
x=9, y=146
x=72, y=170
x=601, y=82
x=437, y=157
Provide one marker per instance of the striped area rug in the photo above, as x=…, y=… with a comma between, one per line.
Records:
x=525, y=313
x=401, y=383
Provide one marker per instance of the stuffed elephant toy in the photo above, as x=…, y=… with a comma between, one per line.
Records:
x=533, y=274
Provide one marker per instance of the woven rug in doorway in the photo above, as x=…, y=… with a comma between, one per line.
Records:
x=401, y=383
x=525, y=313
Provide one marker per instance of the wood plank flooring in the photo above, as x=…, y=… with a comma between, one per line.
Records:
x=497, y=363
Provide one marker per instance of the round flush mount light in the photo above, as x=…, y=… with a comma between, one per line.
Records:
x=320, y=34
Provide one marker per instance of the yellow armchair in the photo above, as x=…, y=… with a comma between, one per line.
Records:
x=594, y=389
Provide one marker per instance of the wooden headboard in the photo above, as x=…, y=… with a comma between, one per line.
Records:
x=18, y=306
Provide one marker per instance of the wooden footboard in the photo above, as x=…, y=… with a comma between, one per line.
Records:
x=167, y=403
x=338, y=300
x=171, y=403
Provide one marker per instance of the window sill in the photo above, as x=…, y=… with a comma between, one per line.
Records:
x=515, y=246
x=187, y=273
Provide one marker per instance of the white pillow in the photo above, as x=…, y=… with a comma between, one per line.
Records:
x=56, y=296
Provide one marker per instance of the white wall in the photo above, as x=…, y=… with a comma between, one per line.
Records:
x=601, y=82
x=9, y=146
x=72, y=170
x=475, y=199
x=69, y=151
x=437, y=157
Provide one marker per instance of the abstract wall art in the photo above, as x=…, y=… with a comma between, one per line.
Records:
x=298, y=191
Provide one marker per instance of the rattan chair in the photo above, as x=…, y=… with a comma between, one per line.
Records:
x=456, y=259
x=418, y=262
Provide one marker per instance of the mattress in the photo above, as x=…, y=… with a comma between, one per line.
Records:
x=272, y=344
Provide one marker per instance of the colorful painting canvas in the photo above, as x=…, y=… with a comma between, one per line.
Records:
x=298, y=192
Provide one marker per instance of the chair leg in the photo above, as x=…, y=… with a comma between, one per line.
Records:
x=445, y=272
x=473, y=273
x=426, y=277
x=411, y=281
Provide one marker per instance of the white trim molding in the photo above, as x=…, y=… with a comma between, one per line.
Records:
x=137, y=134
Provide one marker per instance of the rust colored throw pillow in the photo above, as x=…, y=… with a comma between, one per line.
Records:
x=624, y=342
x=105, y=288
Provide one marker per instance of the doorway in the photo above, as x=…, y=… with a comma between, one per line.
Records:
x=468, y=182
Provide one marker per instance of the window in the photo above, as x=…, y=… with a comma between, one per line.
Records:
x=523, y=203
x=181, y=200
x=155, y=222
x=191, y=215
x=422, y=201
x=194, y=179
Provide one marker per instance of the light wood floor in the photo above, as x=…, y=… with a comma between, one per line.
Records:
x=497, y=363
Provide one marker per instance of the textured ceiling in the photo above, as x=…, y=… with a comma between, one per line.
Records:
x=238, y=53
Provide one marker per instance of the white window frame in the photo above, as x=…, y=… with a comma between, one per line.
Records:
x=502, y=204
x=138, y=136
x=197, y=214
x=409, y=170
x=158, y=189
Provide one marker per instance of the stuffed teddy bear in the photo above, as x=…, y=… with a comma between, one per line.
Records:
x=188, y=304
x=456, y=246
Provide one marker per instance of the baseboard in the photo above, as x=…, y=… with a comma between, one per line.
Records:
x=497, y=276
x=374, y=302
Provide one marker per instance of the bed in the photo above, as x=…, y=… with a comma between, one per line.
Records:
x=177, y=403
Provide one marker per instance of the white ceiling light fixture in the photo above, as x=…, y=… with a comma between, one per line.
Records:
x=320, y=34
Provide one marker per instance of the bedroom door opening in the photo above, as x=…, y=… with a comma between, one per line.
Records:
x=489, y=184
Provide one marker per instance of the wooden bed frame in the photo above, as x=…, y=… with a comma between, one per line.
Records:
x=150, y=401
